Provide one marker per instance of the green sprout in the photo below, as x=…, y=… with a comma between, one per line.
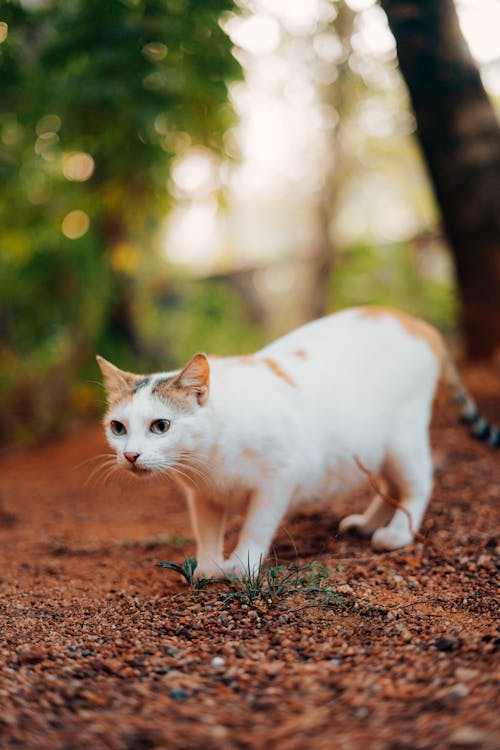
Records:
x=186, y=570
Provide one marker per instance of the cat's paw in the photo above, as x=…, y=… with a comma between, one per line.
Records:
x=388, y=539
x=209, y=569
x=355, y=522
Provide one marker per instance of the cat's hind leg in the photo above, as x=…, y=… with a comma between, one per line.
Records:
x=408, y=468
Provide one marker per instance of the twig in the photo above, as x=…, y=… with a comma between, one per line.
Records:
x=388, y=499
x=423, y=600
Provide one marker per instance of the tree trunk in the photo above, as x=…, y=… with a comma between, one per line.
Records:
x=460, y=139
x=121, y=321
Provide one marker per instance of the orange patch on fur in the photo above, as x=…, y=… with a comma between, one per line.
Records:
x=277, y=370
x=414, y=326
x=180, y=397
x=249, y=453
x=301, y=353
x=193, y=380
x=275, y=367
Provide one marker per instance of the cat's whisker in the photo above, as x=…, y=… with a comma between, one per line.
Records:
x=106, y=474
x=194, y=464
x=101, y=469
x=181, y=460
x=92, y=459
x=182, y=474
x=166, y=473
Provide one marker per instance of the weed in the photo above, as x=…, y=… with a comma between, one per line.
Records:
x=272, y=583
x=179, y=540
x=186, y=570
x=161, y=540
x=265, y=584
x=59, y=545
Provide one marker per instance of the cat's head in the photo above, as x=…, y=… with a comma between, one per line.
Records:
x=156, y=423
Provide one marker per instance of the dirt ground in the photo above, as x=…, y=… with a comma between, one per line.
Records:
x=100, y=649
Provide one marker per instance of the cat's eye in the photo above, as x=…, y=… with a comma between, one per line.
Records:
x=117, y=428
x=160, y=426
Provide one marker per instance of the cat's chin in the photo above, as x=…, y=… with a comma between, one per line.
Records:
x=139, y=471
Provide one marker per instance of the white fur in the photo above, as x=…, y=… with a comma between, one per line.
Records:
x=261, y=445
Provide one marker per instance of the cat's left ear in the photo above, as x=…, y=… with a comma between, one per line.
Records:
x=195, y=378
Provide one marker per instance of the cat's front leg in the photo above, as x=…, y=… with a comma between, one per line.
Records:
x=265, y=512
x=207, y=520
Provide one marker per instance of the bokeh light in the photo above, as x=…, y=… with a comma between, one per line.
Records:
x=75, y=224
x=78, y=167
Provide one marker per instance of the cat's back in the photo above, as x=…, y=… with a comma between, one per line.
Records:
x=350, y=358
x=353, y=329
x=359, y=348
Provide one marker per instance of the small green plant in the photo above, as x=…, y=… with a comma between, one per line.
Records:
x=265, y=584
x=186, y=570
x=272, y=583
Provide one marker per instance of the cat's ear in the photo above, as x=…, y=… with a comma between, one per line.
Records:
x=116, y=381
x=195, y=378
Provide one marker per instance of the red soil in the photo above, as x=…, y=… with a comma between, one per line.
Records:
x=100, y=649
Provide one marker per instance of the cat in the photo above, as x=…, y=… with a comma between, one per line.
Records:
x=264, y=434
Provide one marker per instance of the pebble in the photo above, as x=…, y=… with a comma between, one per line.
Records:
x=30, y=654
x=453, y=694
x=218, y=661
x=179, y=695
x=465, y=674
x=447, y=643
x=344, y=588
x=467, y=736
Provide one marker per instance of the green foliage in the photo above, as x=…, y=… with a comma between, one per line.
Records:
x=388, y=276
x=129, y=84
x=185, y=317
x=269, y=584
x=186, y=570
x=266, y=584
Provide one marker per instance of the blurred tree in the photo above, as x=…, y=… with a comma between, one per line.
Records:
x=97, y=99
x=460, y=139
x=339, y=93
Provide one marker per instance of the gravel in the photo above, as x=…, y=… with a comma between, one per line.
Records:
x=100, y=649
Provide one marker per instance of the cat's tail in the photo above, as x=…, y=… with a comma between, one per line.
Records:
x=481, y=429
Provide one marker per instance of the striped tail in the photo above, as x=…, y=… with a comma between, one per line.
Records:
x=481, y=429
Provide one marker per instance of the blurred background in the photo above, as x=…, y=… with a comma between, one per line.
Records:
x=184, y=175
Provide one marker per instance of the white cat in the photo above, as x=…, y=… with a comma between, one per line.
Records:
x=263, y=434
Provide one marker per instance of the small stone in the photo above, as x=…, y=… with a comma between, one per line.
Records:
x=344, y=588
x=453, y=694
x=179, y=695
x=465, y=674
x=218, y=661
x=459, y=690
x=484, y=560
x=447, y=643
x=30, y=654
x=466, y=737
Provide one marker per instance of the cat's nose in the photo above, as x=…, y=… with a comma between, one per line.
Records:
x=132, y=457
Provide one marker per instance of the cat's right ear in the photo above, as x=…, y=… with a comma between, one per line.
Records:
x=116, y=381
x=194, y=378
